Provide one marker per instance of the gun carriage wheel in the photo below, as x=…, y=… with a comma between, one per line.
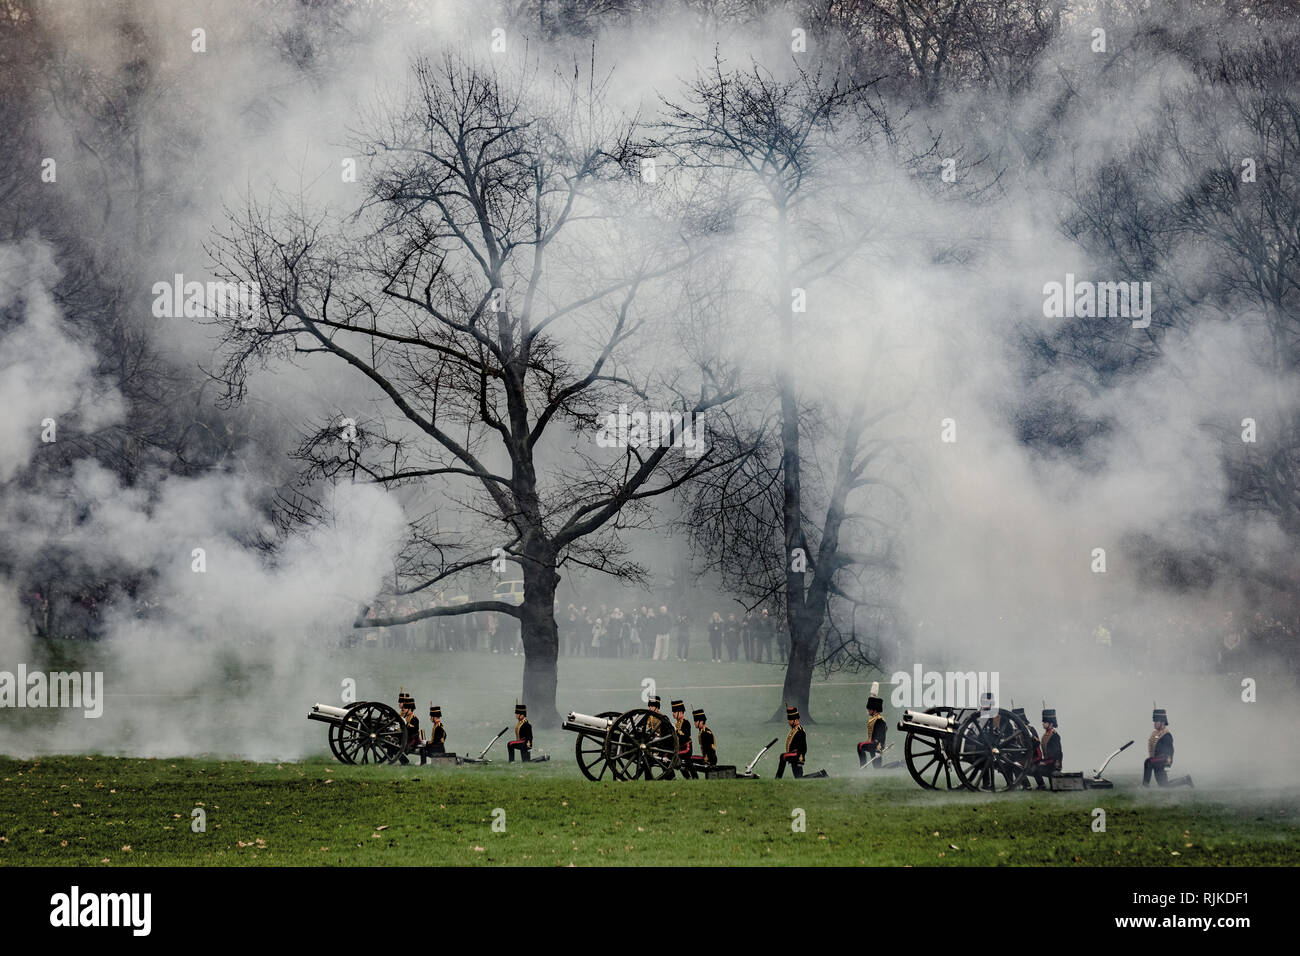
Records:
x=992, y=752
x=335, y=740
x=929, y=757
x=635, y=748
x=369, y=732
x=590, y=751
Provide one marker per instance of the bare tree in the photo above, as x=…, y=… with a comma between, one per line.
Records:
x=503, y=286
x=778, y=139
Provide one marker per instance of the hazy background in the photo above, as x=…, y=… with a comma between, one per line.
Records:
x=1071, y=434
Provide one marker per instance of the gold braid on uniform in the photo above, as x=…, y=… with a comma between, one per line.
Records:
x=1154, y=739
x=519, y=726
x=871, y=724
x=789, y=738
x=1047, y=735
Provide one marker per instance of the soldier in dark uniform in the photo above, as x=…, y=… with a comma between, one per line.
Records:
x=653, y=723
x=406, y=707
x=683, y=729
x=1160, y=754
x=1050, y=755
x=437, y=743
x=523, y=742
x=796, y=745
x=874, y=746
x=1038, y=750
x=708, y=743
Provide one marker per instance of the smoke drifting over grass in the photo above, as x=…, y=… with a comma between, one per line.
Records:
x=997, y=571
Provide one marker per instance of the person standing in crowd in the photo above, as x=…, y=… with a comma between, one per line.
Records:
x=570, y=645
x=634, y=635
x=732, y=636
x=597, y=638
x=765, y=625
x=683, y=635
x=715, y=637
x=748, y=635
x=663, y=634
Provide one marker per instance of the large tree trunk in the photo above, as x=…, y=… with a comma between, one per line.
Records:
x=797, y=690
x=541, y=641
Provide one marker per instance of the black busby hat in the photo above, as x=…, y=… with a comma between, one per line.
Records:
x=1159, y=715
x=404, y=699
x=679, y=707
x=1018, y=711
x=435, y=711
x=1049, y=716
x=792, y=713
x=654, y=701
x=873, y=701
x=698, y=714
x=521, y=710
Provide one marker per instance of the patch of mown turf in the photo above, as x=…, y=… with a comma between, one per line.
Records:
x=77, y=810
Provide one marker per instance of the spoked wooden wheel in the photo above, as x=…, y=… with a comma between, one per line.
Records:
x=929, y=759
x=371, y=732
x=993, y=752
x=590, y=752
x=335, y=738
x=641, y=745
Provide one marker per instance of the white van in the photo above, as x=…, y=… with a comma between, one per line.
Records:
x=509, y=592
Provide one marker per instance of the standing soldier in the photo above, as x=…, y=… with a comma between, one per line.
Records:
x=708, y=743
x=1160, y=753
x=796, y=745
x=1049, y=747
x=1038, y=750
x=523, y=741
x=874, y=746
x=683, y=739
x=653, y=723
x=406, y=706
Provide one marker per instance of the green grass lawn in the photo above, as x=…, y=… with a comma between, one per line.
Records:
x=119, y=810
x=89, y=811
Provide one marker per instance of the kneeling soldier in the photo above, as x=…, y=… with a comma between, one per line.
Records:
x=523, y=741
x=796, y=745
x=708, y=743
x=1160, y=754
x=874, y=746
x=683, y=729
x=1051, y=755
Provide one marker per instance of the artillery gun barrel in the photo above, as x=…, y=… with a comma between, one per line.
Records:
x=925, y=723
x=581, y=723
x=330, y=715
